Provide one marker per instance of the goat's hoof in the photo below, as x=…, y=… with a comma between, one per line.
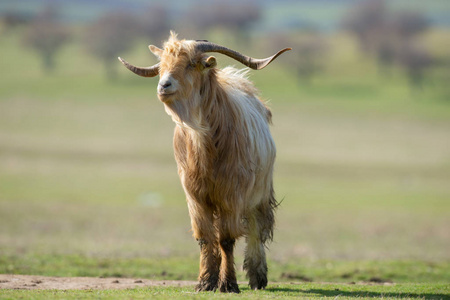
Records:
x=258, y=283
x=229, y=287
x=205, y=286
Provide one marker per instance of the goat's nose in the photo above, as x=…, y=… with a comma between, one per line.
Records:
x=165, y=84
x=165, y=87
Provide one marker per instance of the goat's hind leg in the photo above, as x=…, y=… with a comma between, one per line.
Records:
x=260, y=228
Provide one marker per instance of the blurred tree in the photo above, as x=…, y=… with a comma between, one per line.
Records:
x=154, y=23
x=415, y=59
x=366, y=20
x=238, y=18
x=408, y=24
x=110, y=36
x=310, y=51
x=11, y=20
x=386, y=51
x=46, y=34
x=369, y=21
x=410, y=54
x=391, y=37
x=234, y=16
x=307, y=57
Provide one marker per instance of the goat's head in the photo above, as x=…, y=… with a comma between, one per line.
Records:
x=183, y=68
x=183, y=63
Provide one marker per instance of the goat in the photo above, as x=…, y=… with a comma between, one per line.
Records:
x=224, y=153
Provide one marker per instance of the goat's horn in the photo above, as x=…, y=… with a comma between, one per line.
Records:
x=254, y=63
x=141, y=71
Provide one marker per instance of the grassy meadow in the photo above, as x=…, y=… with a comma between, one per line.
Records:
x=88, y=182
x=278, y=291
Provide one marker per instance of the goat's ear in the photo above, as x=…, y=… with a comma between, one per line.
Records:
x=209, y=62
x=155, y=50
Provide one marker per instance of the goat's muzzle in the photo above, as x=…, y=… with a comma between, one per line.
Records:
x=167, y=86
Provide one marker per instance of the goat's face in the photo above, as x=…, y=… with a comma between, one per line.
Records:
x=182, y=71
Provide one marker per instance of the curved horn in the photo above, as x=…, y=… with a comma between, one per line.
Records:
x=141, y=71
x=254, y=63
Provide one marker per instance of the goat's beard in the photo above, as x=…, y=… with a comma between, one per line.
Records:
x=186, y=112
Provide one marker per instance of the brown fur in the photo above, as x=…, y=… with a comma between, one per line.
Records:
x=225, y=155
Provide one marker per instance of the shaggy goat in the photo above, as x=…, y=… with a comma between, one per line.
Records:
x=225, y=155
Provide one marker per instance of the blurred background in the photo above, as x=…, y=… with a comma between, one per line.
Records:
x=361, y=111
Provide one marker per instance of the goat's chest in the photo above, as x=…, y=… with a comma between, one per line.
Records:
x=194, y=154
x=195, y=164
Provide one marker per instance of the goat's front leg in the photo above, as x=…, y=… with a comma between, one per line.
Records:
x=228, y=227
x=227, y=279
x=209, y=266
x=203, y=227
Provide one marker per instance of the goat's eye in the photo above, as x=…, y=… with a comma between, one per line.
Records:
x=192, y=65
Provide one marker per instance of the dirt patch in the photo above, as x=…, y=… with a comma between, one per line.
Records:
x=33, y=282
x=295, y=276
x=29, y=282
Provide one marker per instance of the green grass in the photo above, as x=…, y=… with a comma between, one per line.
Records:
x=276, y=291
x=89, y=187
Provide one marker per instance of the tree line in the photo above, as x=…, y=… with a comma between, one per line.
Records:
x=116, y=32
x=391, y=38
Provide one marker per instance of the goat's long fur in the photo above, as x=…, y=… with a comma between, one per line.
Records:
x=225, y=156
x=225, y=152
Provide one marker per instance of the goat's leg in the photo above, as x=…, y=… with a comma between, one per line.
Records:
x=204, y=233
x=209, y=266
x=255, y=263
x=227, y=277
x=229, y=229
x=260, y=228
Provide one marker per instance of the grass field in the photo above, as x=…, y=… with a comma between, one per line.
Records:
x=88, y=183
x=278, y=291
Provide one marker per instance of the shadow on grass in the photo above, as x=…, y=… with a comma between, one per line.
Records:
x=359, y=294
